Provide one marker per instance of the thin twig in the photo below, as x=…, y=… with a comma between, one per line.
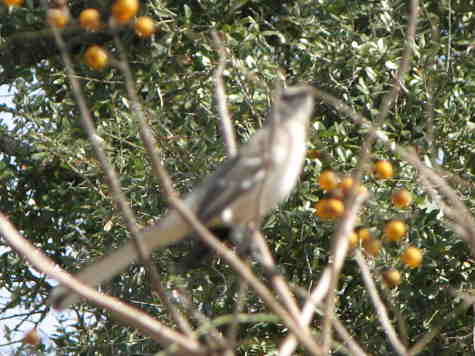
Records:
x=436, y=329
x=303, y=334
x=152, y=149
x=379, y=306
x=386, y=105
x=325, y=284
x=401, y=321
x=311, y=306
x=277, y=280
x=339, y=252
x=465, y=224
x=123, y=312
x=456, y=209
x=112, y=177
x=225, y=118
x=214, y=339
x=346, y=337
x=233, y=330
x=316, y=296
x=465, y=221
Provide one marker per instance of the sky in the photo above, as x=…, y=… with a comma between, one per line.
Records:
x=5, y=98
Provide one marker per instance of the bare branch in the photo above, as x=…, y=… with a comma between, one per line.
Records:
x=151, y=147
x=436, y=329
x=123, y=312
x=456, y=209
x=379, y=306
x=319, y=292
x=386, y=104
x=278, y=281
x=302, y=334
x=226, y=124
x=346, y=337
x=338, y=253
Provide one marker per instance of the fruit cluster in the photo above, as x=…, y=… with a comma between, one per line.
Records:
x=332, y=207
x=122, y=12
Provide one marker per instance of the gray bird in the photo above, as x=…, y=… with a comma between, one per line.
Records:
x=242, y=190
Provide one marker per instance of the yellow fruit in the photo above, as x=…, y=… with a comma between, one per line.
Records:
x=372, y=247
x=313, y=154
x=124, y=10
x=13, y=2
x=90, y=19
x=58, y=18
x=392, y=277
x=328, y=180
x=383, y=169
x=395, y=230
x=363, y=234
x=96, y=57
x=144, y=26
x=329, y=208
x=401, y=198
x=32, y=338
x=353, y=240
x=346, y=184
x=412, y=257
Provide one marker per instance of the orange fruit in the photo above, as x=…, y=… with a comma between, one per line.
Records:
x=328, y=180
x=329, y=209
x=363, y=234
x=412, y=257
x=58, y=18
x=90, y=19
x=96, y=57
x=394, y=230
x=372, y=247
x=392, y=277
x=124, y=10
x=401, y=198
x=32, y=338
x=13, y=2
x=144, y=26
x=346, y=184
x=353, y=240
x=383, y=169
x=313, y=154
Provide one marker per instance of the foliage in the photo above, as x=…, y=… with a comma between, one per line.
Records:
x=53, y=190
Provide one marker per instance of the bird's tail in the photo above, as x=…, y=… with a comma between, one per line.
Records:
x=169, y=230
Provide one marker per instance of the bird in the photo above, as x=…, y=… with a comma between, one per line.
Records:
x=243, y=189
